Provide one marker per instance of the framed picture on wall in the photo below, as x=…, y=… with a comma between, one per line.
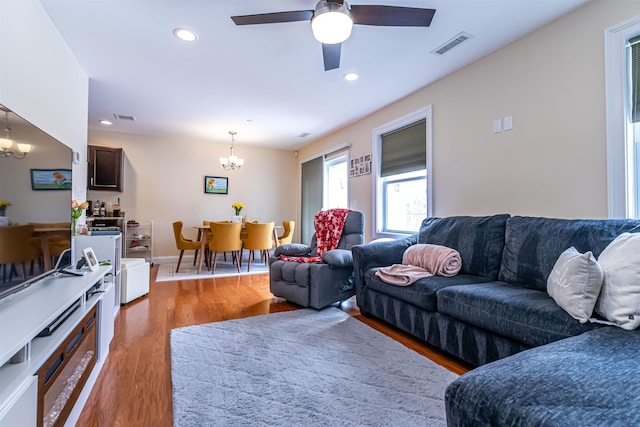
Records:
x=216, y=185
x=360, y=165
x=50, y=179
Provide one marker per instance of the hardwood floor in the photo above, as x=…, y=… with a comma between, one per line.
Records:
x=134, y=386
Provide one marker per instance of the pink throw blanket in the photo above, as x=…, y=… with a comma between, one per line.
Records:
x=329, y=225
x=422, y=260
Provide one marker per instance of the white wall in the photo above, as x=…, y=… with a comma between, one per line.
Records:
x=41, y=81
x=552, y=163
x=164, y=182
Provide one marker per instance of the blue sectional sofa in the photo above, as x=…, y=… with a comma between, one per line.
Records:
x=498, y=307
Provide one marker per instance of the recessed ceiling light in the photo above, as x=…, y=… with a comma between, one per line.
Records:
x=351, y=77
x=105, y=122
x=184, y=34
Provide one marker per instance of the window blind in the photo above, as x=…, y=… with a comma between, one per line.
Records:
x=634, y=59
x=404, y=150
x=311, y=196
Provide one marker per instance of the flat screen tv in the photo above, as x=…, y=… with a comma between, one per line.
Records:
x=28, y=204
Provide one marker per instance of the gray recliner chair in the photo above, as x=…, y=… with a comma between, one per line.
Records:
x=317, y=285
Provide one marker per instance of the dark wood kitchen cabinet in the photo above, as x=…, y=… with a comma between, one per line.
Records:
x=105, y=168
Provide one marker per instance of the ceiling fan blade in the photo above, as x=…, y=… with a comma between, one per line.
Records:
x=391, y=16
x=331, y=56
x=273, y=18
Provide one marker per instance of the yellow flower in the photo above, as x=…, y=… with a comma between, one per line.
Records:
x=5, y=203
x=238, y=207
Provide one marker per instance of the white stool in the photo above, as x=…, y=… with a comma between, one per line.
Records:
x=134, y=279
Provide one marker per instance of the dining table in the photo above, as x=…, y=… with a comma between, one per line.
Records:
x=203, y=230
x=44, y=233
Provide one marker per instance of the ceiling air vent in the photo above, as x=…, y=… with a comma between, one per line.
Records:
x=124, y=117
x=304, y=135
x=450, y=44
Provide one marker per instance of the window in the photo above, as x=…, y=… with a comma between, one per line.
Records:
x=622, y=73
x=324, y=185
x=404, y=201
x=336, y=178
x=402, y=165
x=633, y=125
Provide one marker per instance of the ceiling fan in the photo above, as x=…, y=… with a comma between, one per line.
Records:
x=332, y=21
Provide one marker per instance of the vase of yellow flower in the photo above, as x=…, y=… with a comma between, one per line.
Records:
x=76, y=212
x=238, y=208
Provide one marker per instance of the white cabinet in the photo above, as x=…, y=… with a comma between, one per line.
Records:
x=139, y=241
x=108, y=248
x=58, y=305
x=106, y=311
x=22, y=408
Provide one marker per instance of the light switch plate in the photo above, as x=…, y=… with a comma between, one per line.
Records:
x=497, y=126
x=508, y=123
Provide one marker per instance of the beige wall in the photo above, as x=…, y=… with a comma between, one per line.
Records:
x=41, y=81
x=553, y=161
x=164, y=182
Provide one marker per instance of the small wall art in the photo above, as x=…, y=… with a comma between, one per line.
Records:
x=51, y=179
x=360, y=165
x=216, y=185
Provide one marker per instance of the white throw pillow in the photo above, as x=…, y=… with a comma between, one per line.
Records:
x=575, y=282
x=619, y=300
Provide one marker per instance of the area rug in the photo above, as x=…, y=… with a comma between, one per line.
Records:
x=188, y=271
x=301, y=368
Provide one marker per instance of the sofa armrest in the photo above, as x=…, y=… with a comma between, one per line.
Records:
x=378, y=254
x=339, y=258
x=292, y=249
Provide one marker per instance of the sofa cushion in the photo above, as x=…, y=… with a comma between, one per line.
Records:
x=619, y=301
x=339, y=258
x=421, y=293
x=525, y=315
x=575, y=282
x=588, y=380
x=479, y=240
x=532, y=245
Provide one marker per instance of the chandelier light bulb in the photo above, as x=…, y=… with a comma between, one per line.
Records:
x=6, y=144
x=232, y=162
x=24, y=148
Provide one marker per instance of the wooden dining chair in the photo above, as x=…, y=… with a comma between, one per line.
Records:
x=16, y=247
x=287, y=235
x=225, y=238
x=183, y=244
x=259, y=238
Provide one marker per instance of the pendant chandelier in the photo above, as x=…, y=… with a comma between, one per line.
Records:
x=232, y=162
x=6, y=144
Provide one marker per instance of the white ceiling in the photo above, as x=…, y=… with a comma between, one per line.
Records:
x=267, y=82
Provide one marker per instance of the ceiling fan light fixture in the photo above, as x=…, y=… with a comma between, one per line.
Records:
x=331, y=22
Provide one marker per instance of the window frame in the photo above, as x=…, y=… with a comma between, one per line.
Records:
x=341, y=156
x=616, y=78
x=385, y=182
x=377, y=210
